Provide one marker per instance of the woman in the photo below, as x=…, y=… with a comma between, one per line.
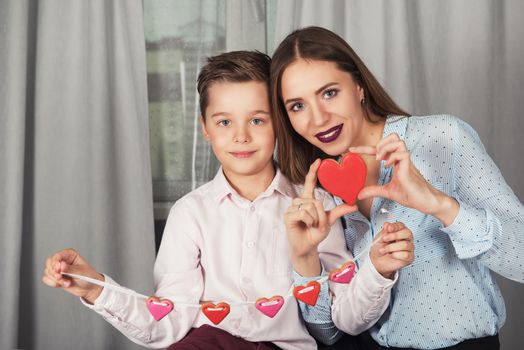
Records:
x=432, y=173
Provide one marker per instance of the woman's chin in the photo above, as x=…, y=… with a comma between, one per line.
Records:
x=334, y=149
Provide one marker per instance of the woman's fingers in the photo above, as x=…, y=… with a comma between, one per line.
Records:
x=389, y=148
x=313, y=207
x=339, y=211
x=372, y=191
x=311, y=180
x=395, y=158
x=295, y=216
x=388, y=139
x=371, y=150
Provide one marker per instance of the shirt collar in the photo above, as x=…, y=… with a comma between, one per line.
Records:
x=396, y=124
x=221, y=188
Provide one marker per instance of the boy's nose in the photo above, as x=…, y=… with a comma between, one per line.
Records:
x=241, y=136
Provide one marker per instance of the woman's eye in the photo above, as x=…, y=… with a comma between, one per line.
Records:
x=330, y=93
x=224, y=122
x=257, y=121
x=296, y=107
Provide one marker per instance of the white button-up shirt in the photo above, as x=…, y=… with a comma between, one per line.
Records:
x=220, y=247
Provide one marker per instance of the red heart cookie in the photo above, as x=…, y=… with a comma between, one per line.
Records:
x=159, y=308
x=344, y=180
x=215, y=312
x=307, y=294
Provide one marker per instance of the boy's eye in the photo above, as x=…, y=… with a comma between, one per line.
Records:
x=224, y=122
x=296, y=107
x=330, y=93
x=257, y=121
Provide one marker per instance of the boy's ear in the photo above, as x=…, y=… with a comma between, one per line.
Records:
x=204, y=129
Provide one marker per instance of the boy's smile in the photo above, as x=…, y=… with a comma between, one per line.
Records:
x=242, y=154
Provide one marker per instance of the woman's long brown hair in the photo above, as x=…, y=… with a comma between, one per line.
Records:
x=294, y=153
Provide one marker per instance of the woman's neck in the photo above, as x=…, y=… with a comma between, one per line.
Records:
x=371, y=133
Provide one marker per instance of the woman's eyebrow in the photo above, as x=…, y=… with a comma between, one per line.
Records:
x=318, y=91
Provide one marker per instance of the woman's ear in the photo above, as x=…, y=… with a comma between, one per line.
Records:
x=204, y=129
x=361, y=95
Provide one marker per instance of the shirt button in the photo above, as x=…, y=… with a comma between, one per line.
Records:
x=252, y=208
x=250, y=244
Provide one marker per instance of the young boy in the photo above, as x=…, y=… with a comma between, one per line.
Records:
x=226, y=241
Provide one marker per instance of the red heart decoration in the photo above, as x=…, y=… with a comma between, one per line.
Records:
x=215, y=312
x=159, y=307
x=344, y=274
x=344, y=180
x=307, y=294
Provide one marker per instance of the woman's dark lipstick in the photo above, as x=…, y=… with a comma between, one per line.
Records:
x=330, y=134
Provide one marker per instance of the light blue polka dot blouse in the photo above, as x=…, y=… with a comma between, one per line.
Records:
x=449, y=293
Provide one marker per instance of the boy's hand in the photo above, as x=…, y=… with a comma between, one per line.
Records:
x=394, y=249
x=68, y=260
x=308, y=224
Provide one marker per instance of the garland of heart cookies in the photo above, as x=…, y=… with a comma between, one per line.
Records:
x=352, y=171
x=216, y=312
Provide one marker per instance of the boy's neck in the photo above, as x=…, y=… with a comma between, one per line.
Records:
x=251, y=186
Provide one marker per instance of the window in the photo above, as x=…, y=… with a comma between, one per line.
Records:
x=180, y=35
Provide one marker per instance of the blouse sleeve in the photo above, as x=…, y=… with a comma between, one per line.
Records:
x=490, y=223
x=351, y=308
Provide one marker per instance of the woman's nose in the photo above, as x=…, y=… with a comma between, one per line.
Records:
x=319, y=115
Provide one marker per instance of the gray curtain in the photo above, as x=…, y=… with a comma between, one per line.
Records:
x=74, y=163
x=462, y=57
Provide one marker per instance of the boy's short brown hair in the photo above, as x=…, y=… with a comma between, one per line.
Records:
x=235, y=67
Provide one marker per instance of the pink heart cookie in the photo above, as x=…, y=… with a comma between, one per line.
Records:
x=271, y=306
x=159, y=308
x=344, y=274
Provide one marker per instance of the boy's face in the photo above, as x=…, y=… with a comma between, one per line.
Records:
x=238, y=126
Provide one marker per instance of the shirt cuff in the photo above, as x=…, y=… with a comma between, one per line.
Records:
x=469, y=231
x=374, y=278
x=321, y=312
x=106, y=299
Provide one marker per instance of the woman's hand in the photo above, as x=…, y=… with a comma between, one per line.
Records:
x=407, y=186
x=68, y=260
x=308, y=224
x=393, y=250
